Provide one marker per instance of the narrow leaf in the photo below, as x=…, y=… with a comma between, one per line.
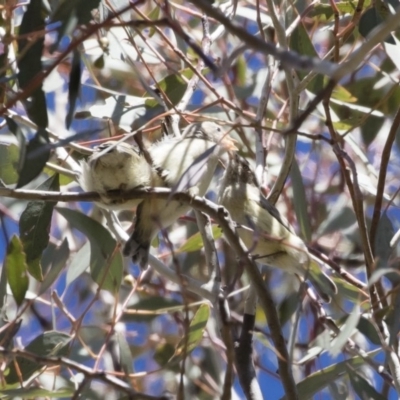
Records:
x=8, y=163
x=195, y=334
x=195, y=242
x=17, y=270
x=59, y=257
x=362, y=387
x=318, y=380
x=34, y=228
x=300, y=205
x=33, y=158
x=29, y=61
x=106, y=264
x=126, y=359
x=73, y=86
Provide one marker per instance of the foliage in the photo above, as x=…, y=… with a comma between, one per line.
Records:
x=79, y=319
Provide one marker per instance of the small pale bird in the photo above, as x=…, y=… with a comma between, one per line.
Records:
x=117, y=167
x=185, y=164
x=267, y=235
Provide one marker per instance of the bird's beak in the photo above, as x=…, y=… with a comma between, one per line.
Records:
x=228, y=143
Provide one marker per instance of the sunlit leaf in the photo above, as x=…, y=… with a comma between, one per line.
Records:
x=149, y=308
x=31, y=392
x=195, y=242
x=17, y=270
x=195, y=334
x=9, y=156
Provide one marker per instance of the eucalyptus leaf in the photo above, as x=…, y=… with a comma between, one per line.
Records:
x=73, y=86
x=317, y=381
x=30, y=63
x=195, y=242
x=17, y=269
x=195, y=334
x=34, y=227
x=33, y=157
x=106, y=264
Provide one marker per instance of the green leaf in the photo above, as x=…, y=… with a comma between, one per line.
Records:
x=45, y=345
x=342, y=94
x=149, y=308
x=73, y=86
x=300, y=205
x=362, y=387
x=163, y=353
x=366, y=327
x=370, y=128
x=344, y=7
x=17, y=270
x=346, y=330
x=30, y=63
x=9, y=155
x=106, y=264
x=72, y=13
x=34, y=228
x=382, y=248
x=195, y=242
x=174, y=86
x=125, y=354
x=33, y=158
x=370, y=20
x=301, y=43
x=339, y=218
x=288, y=307
x=59, y=258
x=24, y=393
x=79, y=263
x=317, y=381
x=195, y=334
x=152, y=16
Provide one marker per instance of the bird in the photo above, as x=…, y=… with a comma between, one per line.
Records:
x=117, y=167
x=266, y=234
x=185, y=163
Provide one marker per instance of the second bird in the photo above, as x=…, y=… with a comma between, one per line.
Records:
x=264, y=231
